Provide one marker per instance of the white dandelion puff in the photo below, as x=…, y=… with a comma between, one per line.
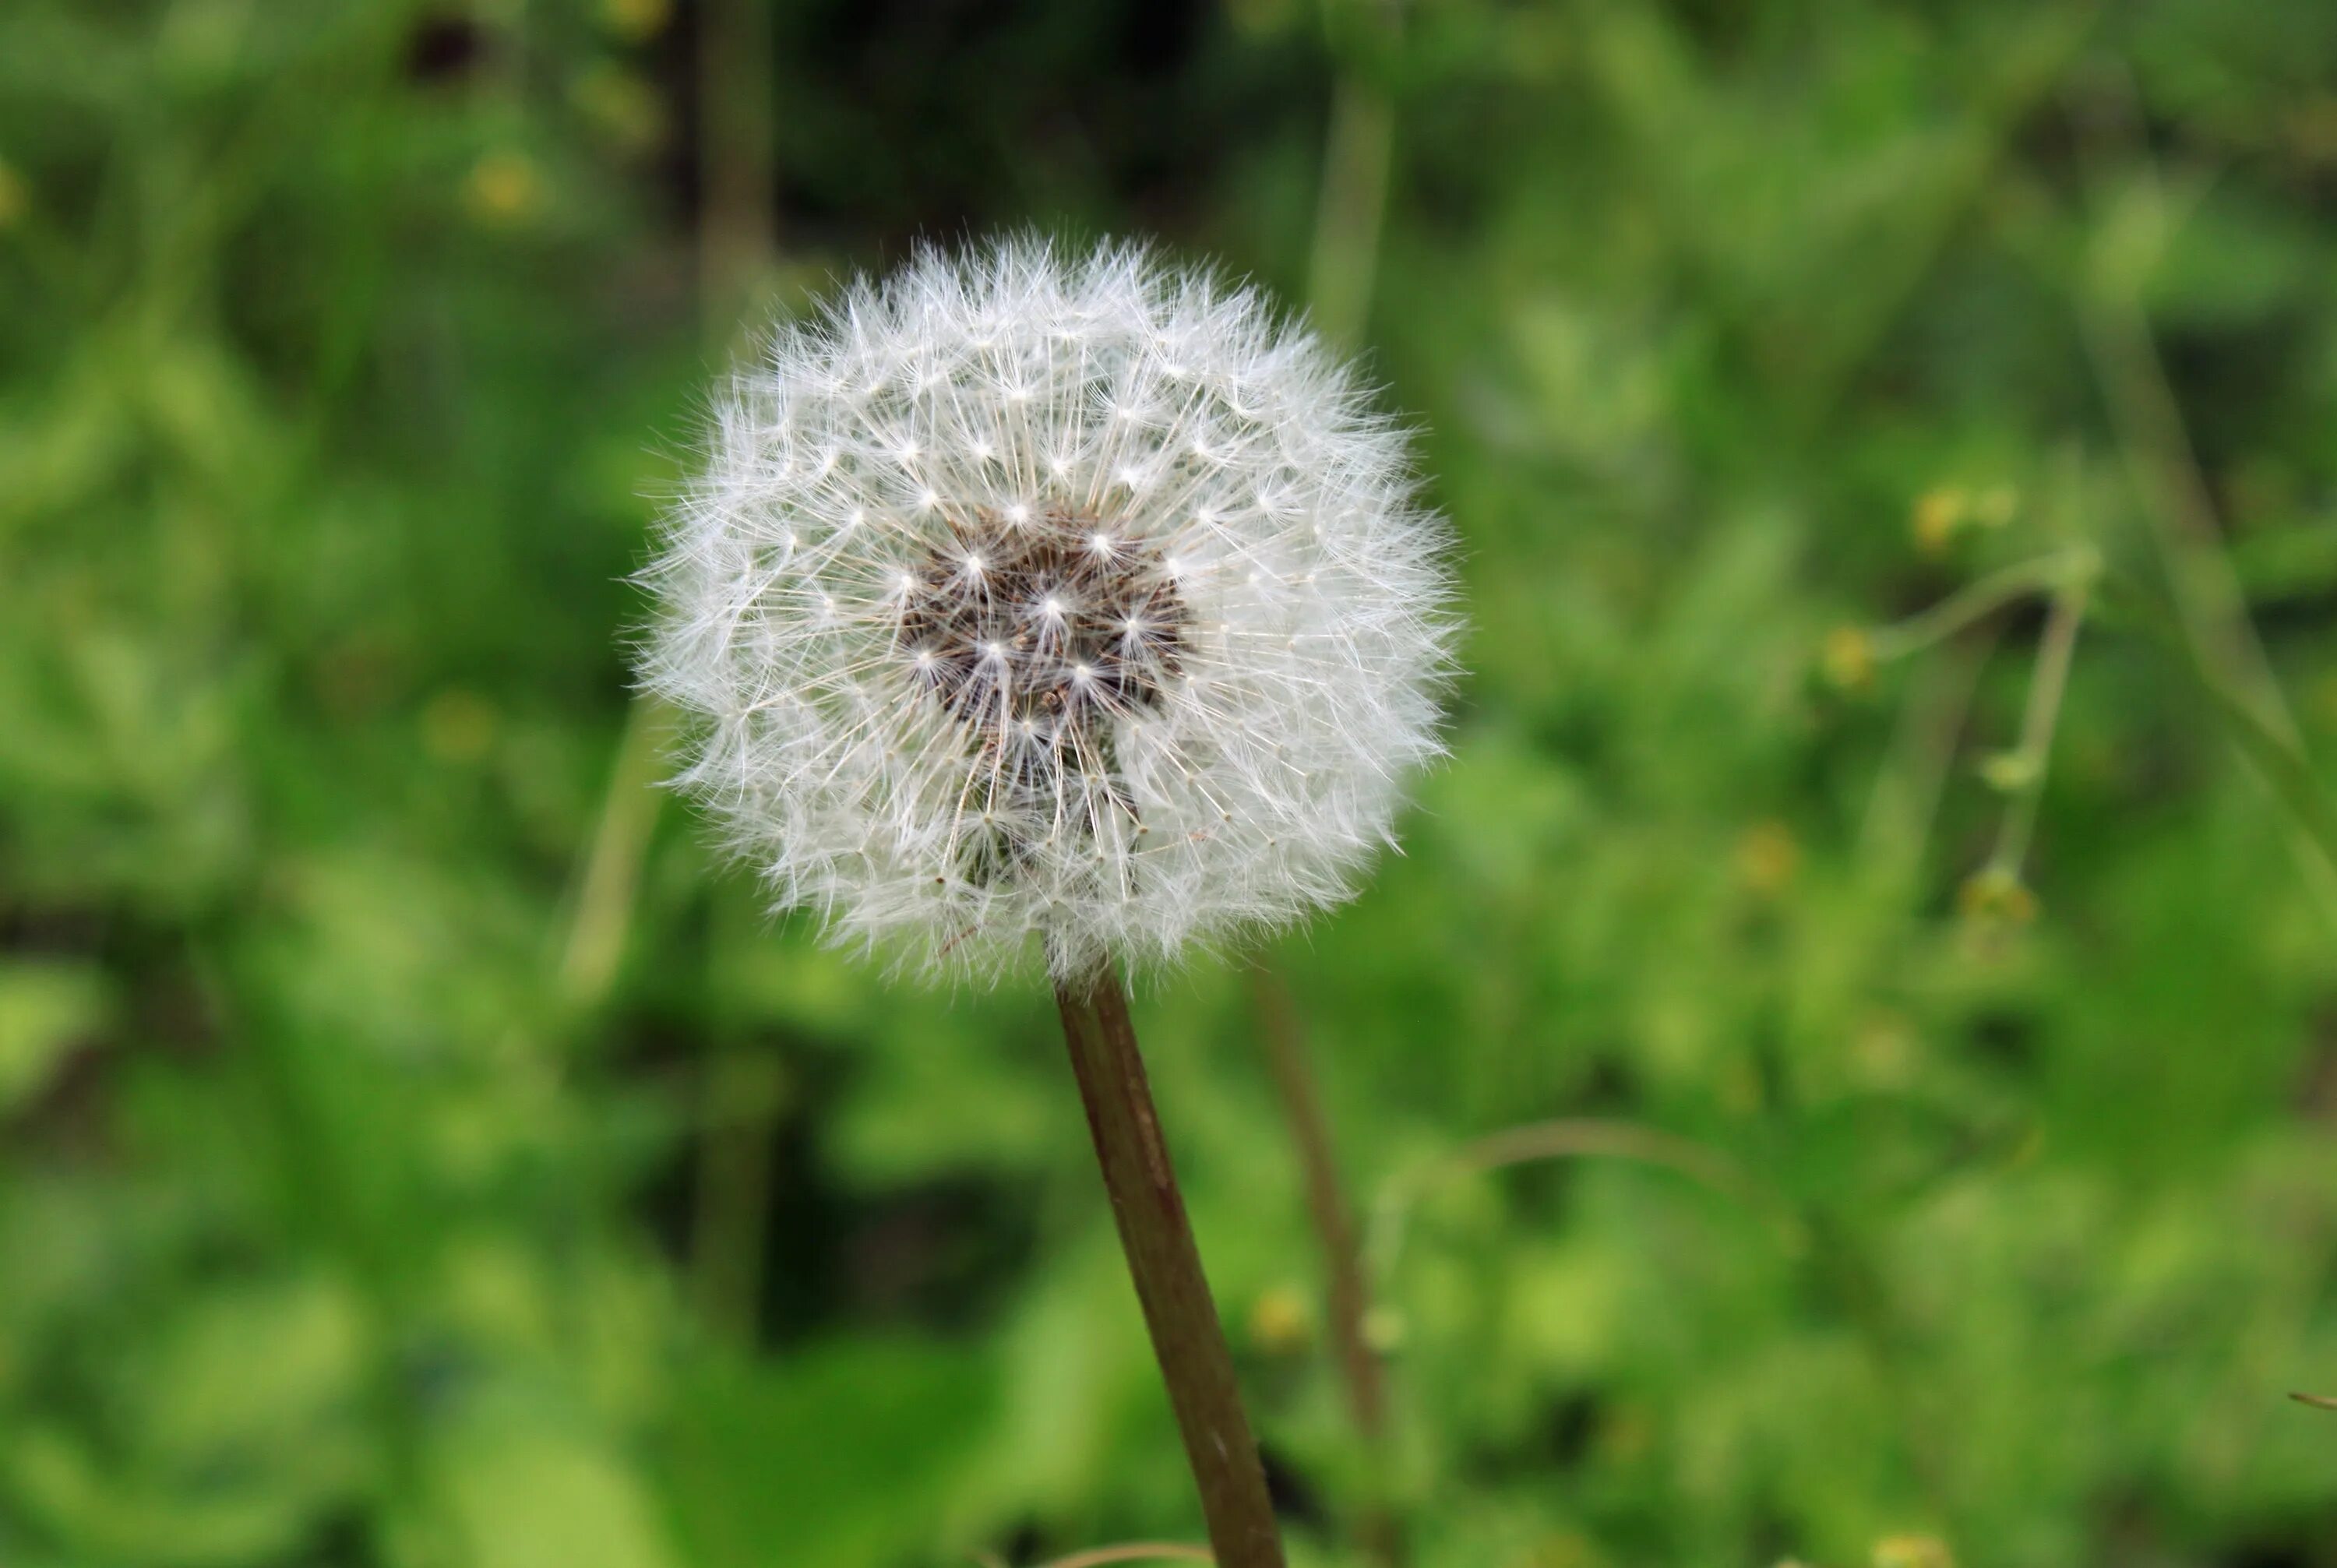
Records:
x=1027, y=594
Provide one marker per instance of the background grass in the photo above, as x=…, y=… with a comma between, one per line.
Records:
x=413, y=1152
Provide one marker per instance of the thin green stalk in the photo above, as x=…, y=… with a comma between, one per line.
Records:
x=603, y=911
x=1352, y=207
x=1982, y=599
x=1351, y=212
x=1908, y=786
x=2286, y=770
x=2055, y=653
x=2185, y=531
x=1102, y=1556
x=1573, y=1138
x=737, y=220
x=1163, y=1260
x=1137, y=1552
x=2217, y=634
x=738, y=229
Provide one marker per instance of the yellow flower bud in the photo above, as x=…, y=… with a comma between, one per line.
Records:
x=1767, y=856
x=1280, y=1321
x=1848, y=658
x=1997, y=896
x=1914, y=1551
x=503, y=188
x=1937, y=516
x=636, y=21
x=458, y=726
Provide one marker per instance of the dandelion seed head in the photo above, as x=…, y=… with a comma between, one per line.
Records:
x=1076, y=638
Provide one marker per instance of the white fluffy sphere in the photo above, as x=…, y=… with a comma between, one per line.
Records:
x=1027, y=594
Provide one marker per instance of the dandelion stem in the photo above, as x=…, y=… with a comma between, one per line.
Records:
x=1166, y=1266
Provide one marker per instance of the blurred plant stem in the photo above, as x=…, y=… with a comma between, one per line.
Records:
x=1345, y=1292
x=1984, y=598
x=1892, y=836
x=1102, y=1556
x=2056, y=648
x=2217, y=634
x=2279, y=758
x=1576, y=1137
x=736, y=231
x=738, y=1115
x=1165, y=1263
x=2068, y=576
x=1350, y=214
x=1358, y=147
x=740, y=1087
x=738, y=225
x=2211, y=609
x=607, y=891
x=1908, y=788
x=1352, y=207
x=2185, y=531
x=738, y=228
x=741, y=1090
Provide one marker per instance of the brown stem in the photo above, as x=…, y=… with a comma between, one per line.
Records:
x=1347, y=1295
x=738, y=226
x=1187, y=1338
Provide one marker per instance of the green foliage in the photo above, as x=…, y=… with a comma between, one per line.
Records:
x=415, y=1151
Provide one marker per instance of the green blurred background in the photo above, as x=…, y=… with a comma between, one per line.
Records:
x=415, y=1150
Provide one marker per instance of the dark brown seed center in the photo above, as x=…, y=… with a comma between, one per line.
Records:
x=1034, y=632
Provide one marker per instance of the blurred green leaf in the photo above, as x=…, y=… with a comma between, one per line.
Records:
x=847, y=1456
x=45, y=1011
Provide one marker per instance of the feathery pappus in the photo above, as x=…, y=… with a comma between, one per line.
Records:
x=1075, y=596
